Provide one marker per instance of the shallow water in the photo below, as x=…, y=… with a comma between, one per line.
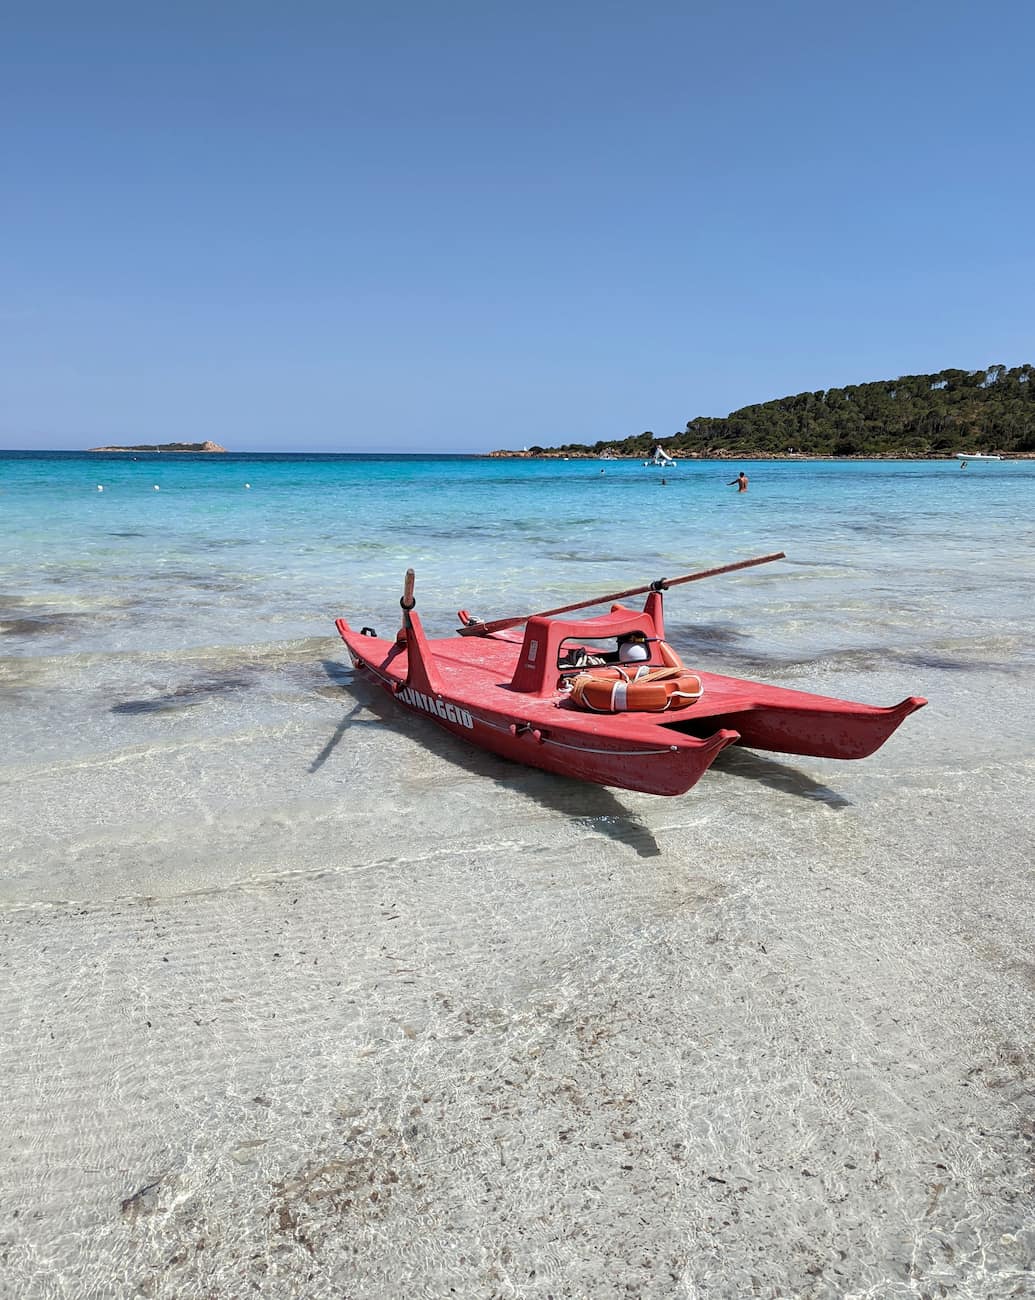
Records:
x=311, y=997
x=163, y=651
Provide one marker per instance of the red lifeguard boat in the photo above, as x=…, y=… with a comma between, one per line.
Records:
x=546, y=697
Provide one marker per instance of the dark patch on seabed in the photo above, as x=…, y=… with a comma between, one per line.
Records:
x=922, y=659
x=37, y=625
x=581, y=557
x=184, y=697
x=817, y=564
x=877, y=658
x=872, y=528
x=707, y=635
x=451, y=534
x=200, y=581
x=126, y=534
x=723, y=638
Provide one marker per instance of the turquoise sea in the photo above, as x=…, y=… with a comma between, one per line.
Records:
x=196, y=593
x=296, y=971
x=251, y=549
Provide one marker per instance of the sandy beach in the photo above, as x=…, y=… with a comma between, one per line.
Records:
x=531, y=1038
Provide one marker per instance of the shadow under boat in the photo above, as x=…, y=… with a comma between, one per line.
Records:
x=760, y=768
x=596, y=806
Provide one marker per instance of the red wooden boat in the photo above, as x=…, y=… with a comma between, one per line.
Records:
x=634, y=718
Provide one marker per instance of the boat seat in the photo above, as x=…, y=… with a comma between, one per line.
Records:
x=536, y=672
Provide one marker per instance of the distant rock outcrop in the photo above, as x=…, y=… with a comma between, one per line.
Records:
x=167, y=446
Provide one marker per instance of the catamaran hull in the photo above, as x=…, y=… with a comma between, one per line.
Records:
x=671, y=766
x=796, y=722
x=510, y=695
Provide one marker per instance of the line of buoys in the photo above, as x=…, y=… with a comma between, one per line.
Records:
x=156, y=488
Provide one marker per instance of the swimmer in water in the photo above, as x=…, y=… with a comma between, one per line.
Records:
x=741, y=481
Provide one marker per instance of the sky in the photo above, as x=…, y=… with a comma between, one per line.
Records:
x=450, y=225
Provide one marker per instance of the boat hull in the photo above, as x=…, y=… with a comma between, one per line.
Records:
x=627, y=753
x=465, y=686
x=795, y=722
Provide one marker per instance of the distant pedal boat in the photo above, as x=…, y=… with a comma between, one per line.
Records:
x=533, y=698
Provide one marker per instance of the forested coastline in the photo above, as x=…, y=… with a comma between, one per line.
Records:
x=990, y=410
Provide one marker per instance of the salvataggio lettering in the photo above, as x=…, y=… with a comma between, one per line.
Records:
x=449, y=712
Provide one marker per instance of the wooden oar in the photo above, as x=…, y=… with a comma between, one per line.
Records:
x=500, y=624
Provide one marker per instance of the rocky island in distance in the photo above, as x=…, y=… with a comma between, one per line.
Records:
x=167, y=446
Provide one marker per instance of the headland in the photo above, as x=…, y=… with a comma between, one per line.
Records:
x=913, y=417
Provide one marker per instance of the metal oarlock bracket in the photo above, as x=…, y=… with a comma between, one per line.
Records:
x=526, y=729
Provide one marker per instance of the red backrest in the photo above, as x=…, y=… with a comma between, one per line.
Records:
x=537, y=672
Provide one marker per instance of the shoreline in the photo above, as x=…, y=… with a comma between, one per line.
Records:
x=734, y=456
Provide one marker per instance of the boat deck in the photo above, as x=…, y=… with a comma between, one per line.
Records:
x=478, y=672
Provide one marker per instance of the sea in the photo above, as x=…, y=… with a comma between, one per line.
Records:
x=184, y=605
x=207, y=824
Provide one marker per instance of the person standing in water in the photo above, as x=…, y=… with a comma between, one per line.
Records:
x=741, y=481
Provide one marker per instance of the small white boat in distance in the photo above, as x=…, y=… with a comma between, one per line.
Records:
x=975, y=455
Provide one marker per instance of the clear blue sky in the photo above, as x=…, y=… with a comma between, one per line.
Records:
x=462, y=225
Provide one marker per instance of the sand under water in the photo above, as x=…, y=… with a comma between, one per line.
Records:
x=305, y=998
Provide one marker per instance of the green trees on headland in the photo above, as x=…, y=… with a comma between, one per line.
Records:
x=991, y=410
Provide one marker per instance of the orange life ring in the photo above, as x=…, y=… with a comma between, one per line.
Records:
x=640, y=690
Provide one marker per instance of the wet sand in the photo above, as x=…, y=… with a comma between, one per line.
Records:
x=376, y=1015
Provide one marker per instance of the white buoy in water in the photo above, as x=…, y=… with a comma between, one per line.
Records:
x=100, y=487
x=156, y=487
x=247, y=485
